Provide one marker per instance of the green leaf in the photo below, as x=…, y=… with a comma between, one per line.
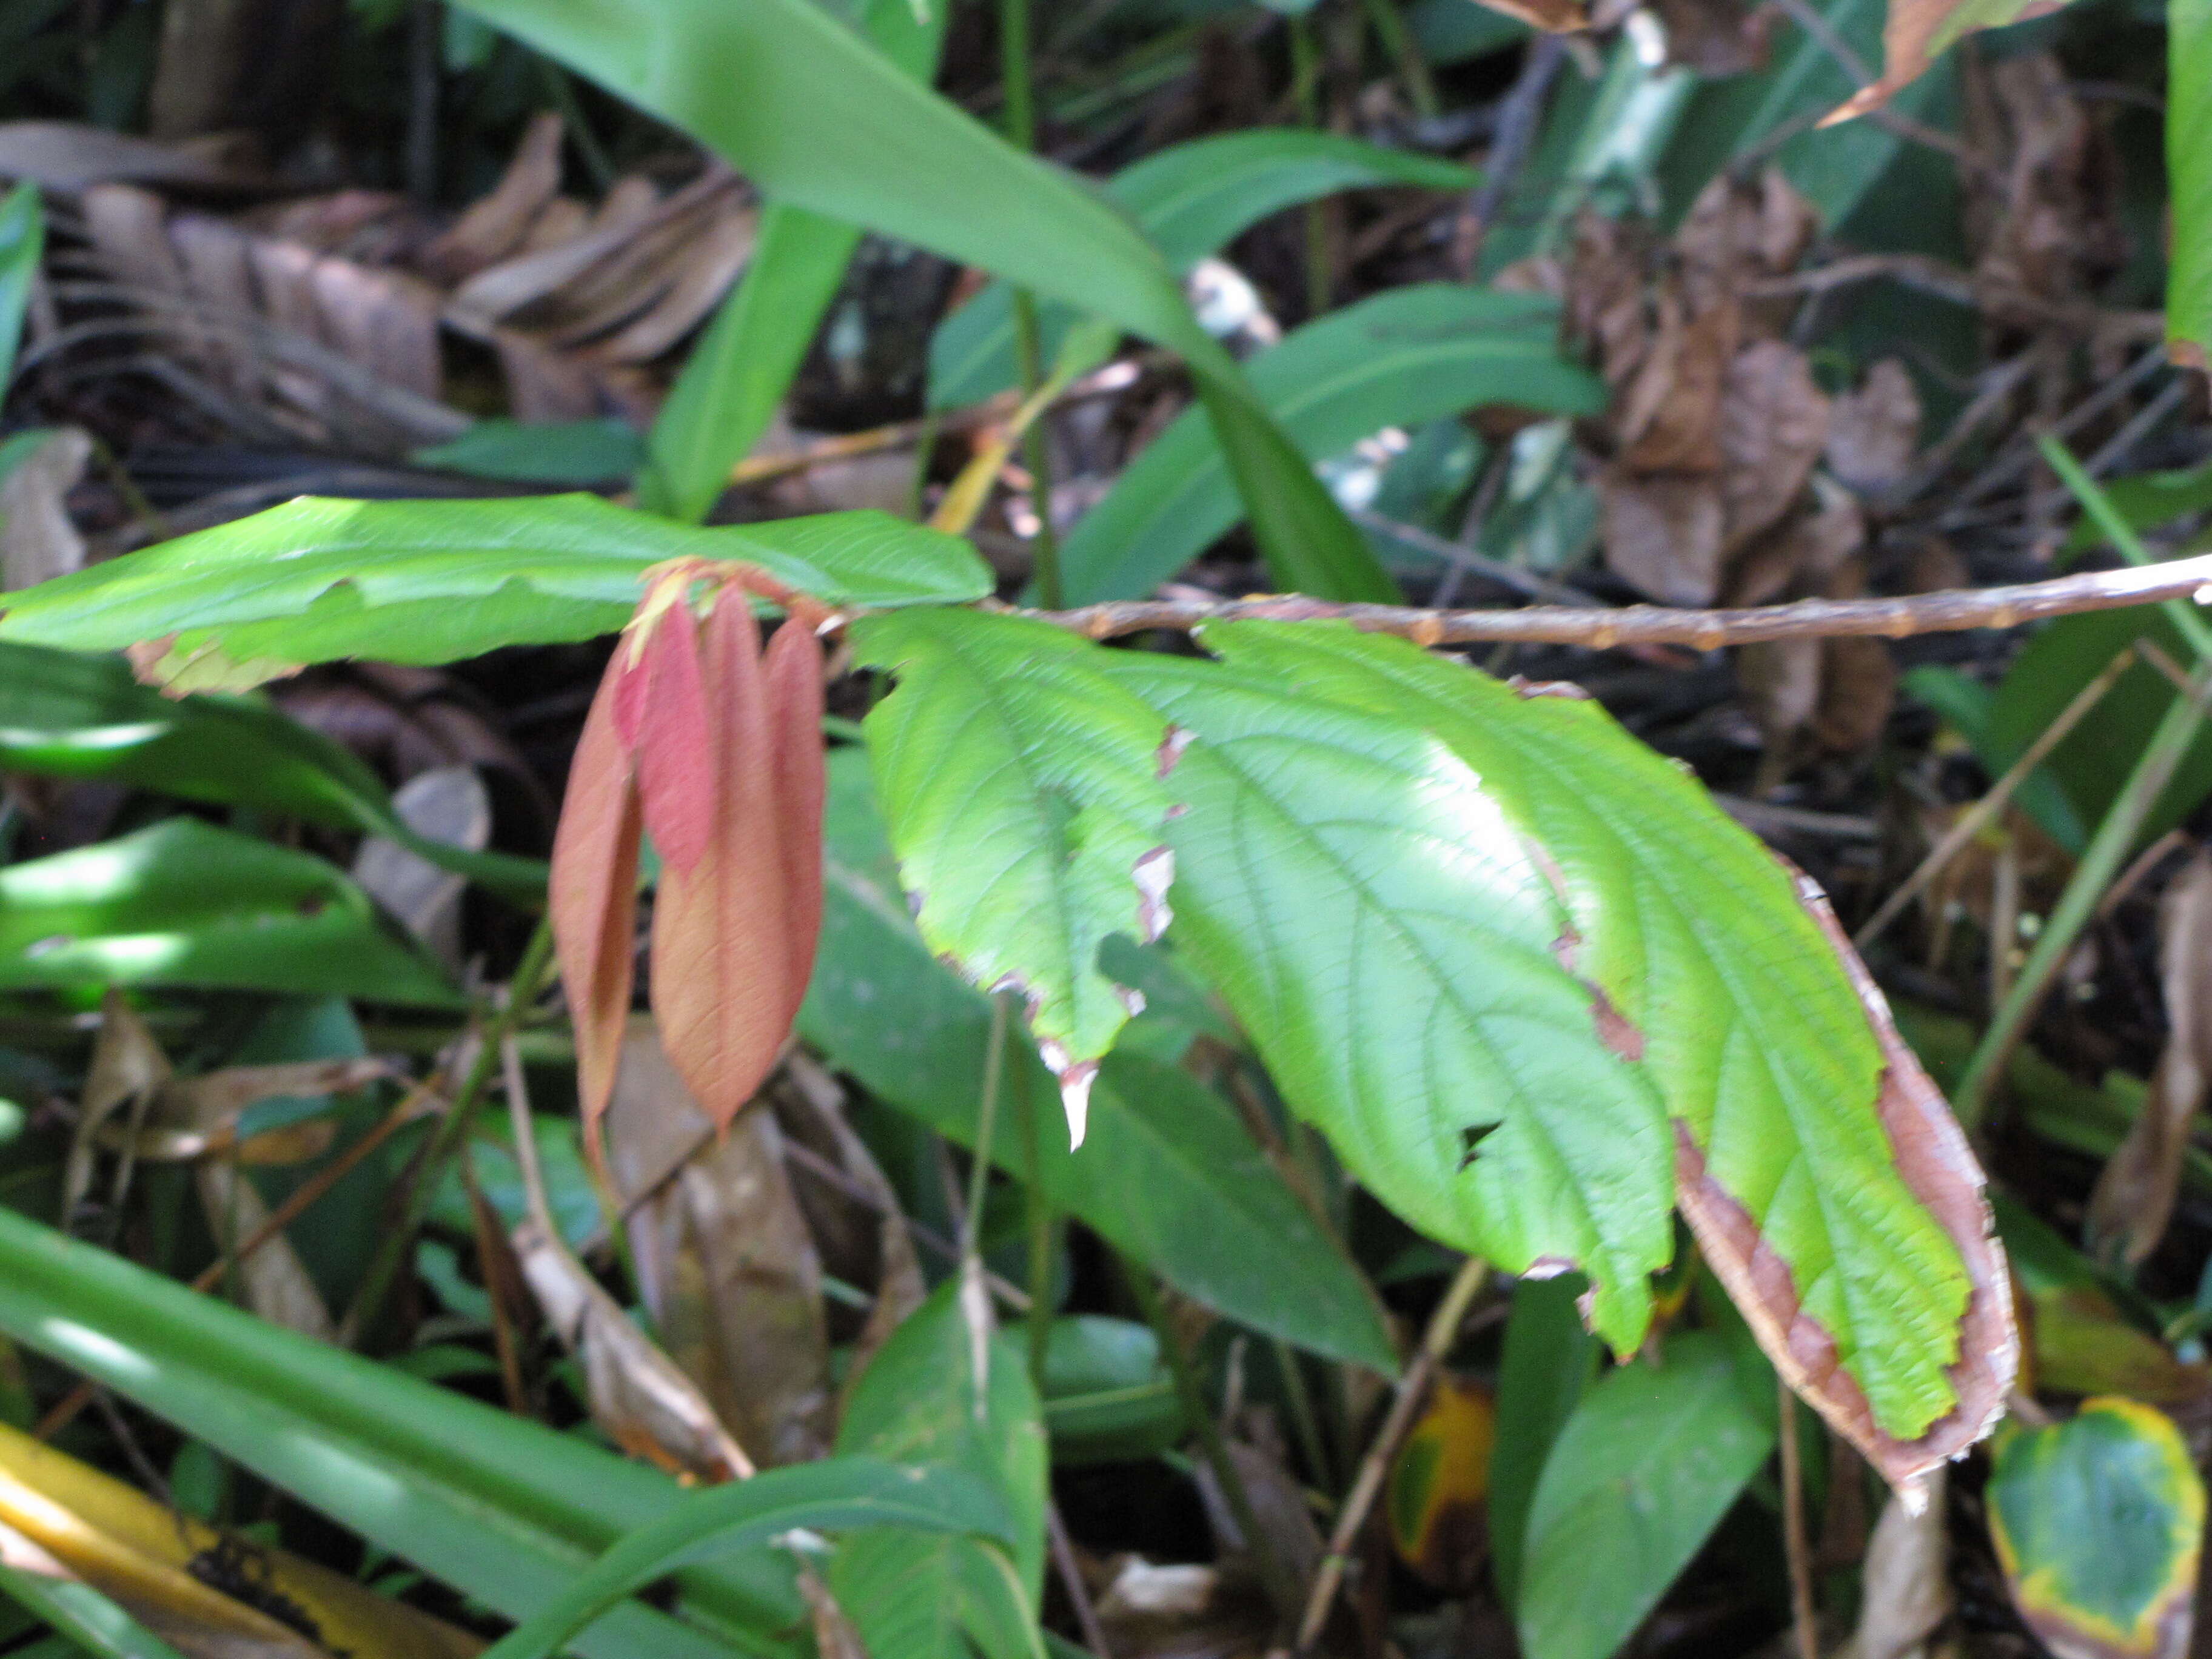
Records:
x=1406, y=355
x=820, y=119
x=1751, y=1030
x=838, y=1494
x=1023, y=791
x=921, y=1401
x=23, y=243
x=185, y=903
x=736, y=375
x=2146, y=501
x=1167, y=1174
x=573, y=453
x=1108, y=1395
x=1387, y=935
x=82, y=1613
x=2189, y=173
x=1543, y=1373
x=435, y=581
x=1193, y=199
x=2098, y=1522
x=1642, y=1472
x=502, y=1508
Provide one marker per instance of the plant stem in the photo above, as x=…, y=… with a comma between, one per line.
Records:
x=1282, y=1590
x=1398, y=40
x=1307, y=1426
x=1305, y=87
x=1021, y=132
x=1803, y=1617
x=531, y=975
x=1043, y=1226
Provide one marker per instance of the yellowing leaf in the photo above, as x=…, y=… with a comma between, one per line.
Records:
x=1439, y=1481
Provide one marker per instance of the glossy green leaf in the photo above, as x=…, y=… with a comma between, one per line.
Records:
x=557, y=453
x=1751, y=1030
x=820, y=119
x=1107, y=1395
x=435, y=581
x=1023, y=792
x=838, y=1494
x=1546, y=1367
x=183, y=902
x=2098, y=1522
x=1642, y=1473
x=23, y=243
x=82, y=1613
x=921, y=1400
x=1193, y=199
x=1167, y=1174
x=1385, y=934
x=735, y=376
x=504, y=1509
x=1406, y=355
x=68, y=715
x=2189, y=173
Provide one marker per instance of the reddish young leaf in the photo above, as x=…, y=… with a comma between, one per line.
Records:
x=725, y=941
x=1932, y=1155
x=666, y=720
x=801, y=781
x=592, y=897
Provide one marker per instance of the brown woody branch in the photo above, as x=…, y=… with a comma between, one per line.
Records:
x=1949, y=612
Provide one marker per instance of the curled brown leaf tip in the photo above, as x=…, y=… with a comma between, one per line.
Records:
x=714, y=748
x=1932, y=1155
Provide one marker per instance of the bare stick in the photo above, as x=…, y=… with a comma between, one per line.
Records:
x=1803, y=1618
x=1413, y=1389
x=1071, y=1580
x=1971, y=822
x=1952, y=610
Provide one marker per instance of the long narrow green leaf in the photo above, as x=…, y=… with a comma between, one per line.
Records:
x=433, y=581
x=2189, y=173
x=841, y=1494
x=1407, y=356
x=503, y=1508
x=823, y=121
x=1192, y=200
x=84, y=1615
x=735, y=377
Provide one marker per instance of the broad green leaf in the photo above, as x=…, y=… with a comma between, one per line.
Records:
x=503, y=1508
x=1750, y=1029
x=1407, y=356
x=183, y=902
x=72, y=715
x=1642, y=1472
x=435, y=581
x=559, y=454
x=1023, y=792
x=1108, y=1395
x=734, y=379
x=1387, y=935
x=2097, y=1522
x=96, y=1625
x=821, y=120
x=1546, y=1368
x=838, y=1494
x=921, y=1400
x=1167, y=1174
x=1453, y=31
x=1193, y=199
x=2189, y=175
x=23, y=242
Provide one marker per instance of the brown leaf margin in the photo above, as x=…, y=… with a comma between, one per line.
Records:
x=1933, y=1155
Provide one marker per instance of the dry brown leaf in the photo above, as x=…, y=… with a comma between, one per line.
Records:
x=1153, y=1610
x=38, y=539
x=127, y=1068
x=724, y=1258
x=276, y=1283
x=2043, y=224
x=1933, y=1158
x=1857, y=695
x=2135, y=1194
x=835, y=1636
x=1663, y=534
x=1907, y=1580
x=1917, y=31
x=1739, y=231
x=1874, y=432
x=1801, y=559
x=447, y=804
x=1717, y=37
x=1279, y=1505
x=1780, y=682
x=496, y=225
x=1774, y=424
x=72, y=156
x=1669, y=415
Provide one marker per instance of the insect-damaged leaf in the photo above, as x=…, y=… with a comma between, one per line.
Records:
x=1827, y=1181
x=1025, y=798
x=2097, y=1522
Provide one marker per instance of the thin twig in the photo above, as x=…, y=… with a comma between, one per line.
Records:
x=1413, y=1389
x=1804, y=1620
x=1948, y=611
x=1071, y=1580
x=1971, y=822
